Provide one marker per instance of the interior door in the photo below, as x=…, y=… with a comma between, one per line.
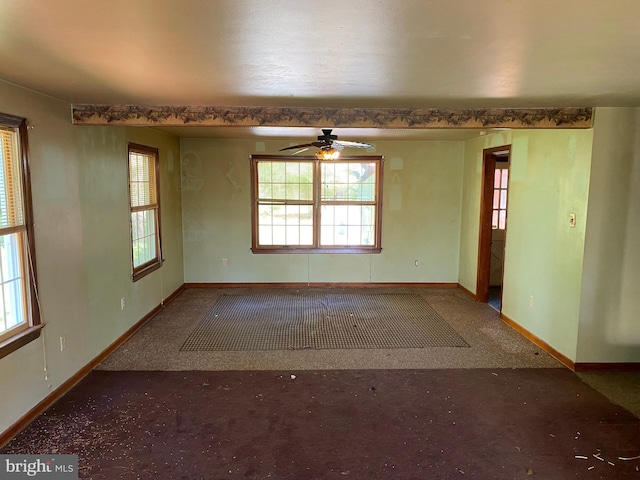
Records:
x=498, y=221
x=490, y=216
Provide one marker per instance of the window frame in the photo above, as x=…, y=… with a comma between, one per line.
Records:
x=316, y=204
x=34, y=324
x=154, y=264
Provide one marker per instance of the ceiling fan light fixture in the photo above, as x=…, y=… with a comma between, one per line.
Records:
x=328, y=153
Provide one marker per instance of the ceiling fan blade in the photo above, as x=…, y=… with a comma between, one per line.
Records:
x=307, y=145
x=301, y=150
x=346, y=143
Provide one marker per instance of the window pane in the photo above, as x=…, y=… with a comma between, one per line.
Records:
x=285, y=224
x=327, y=233
x=265, y=190
x=293, y=191
x=3, y=316
x=306, y=235
x=368, y=190
x=348, y=181
x=12, y=306
x=505, y=177
x=327, y=215
x=306, y=172
x=285, y=180
x=503, y=219
x=10, y=257
x=265, y=213
x=278, y=172
x=292, y=172
x=503, y=199
x=265, y=235
x=496, y=199
x=143, y=237
x=306, y=215
x=496, y=178
x=494, y=220
x=306, y=192
x=368, y=235
x=279, y=235
x=278, y=215
x=353, y=235
x=350, y=225
x=264, y=172
x=293, y=235
x=279, y=191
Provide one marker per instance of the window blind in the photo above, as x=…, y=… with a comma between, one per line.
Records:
x=142, y=177
x=11, y=196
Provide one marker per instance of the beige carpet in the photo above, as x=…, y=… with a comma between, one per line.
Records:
x=492, y=344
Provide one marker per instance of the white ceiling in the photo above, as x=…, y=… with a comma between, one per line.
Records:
x=332, y=53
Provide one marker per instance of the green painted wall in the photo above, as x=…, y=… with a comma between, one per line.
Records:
x=470, y=211
x=543, y=256
x=609, y=322
x=105, y=219
x=421, y=209
x=80, y=199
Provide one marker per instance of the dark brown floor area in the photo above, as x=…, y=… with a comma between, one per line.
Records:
x=498, y=409
x=368, y=424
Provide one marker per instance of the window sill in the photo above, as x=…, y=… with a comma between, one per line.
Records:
x=336, y=250
x=19, y=340
x=143, y=272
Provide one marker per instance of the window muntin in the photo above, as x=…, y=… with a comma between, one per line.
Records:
x=305, y=204
x=145, y=210
x=19, y=312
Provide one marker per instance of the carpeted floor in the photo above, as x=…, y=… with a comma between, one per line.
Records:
x=498, y=409
x=294, y=321
x=492, y=344
x=371, y=424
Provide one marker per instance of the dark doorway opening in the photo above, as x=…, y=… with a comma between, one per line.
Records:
x=493, y=225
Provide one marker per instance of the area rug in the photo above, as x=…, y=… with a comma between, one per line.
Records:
x=321, y=321
x=500, y=424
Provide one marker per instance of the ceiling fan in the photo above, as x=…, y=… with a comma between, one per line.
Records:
x=329, y=145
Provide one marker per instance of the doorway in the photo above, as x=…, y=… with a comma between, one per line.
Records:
x=493, y=225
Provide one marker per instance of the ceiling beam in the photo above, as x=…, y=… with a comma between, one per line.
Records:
x=413, y=118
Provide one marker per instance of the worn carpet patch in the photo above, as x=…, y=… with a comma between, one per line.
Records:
x=479, y=424
x=321, y=321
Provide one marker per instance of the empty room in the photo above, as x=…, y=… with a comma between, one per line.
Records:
x=301, y=240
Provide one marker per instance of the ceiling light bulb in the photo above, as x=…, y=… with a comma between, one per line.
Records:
x=328, y=154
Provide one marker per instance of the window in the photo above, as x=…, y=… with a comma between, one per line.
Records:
x=304, y=204
x=19, y=312
x=500, y=182
x=144, y=194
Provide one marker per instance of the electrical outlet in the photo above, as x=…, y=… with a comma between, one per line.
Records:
x=572, y=220
x=63, y=343
x=416, y=263
x=531, y=301
x=225, y=262
x=122, y=303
